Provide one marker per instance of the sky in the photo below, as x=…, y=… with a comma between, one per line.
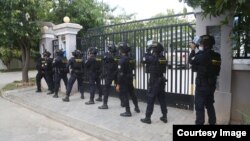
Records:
x=146, y=8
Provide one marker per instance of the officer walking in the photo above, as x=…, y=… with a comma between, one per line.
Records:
x=206, y=63
x=125, y=79
x=93, y=66
x=109, y=73
x=76, y=63
x=60, y=71
x=155, y=65
x=40, y=66
x=49, y=71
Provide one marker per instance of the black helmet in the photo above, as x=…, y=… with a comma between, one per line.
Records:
x=112, y=48
x=207, y=41
x=154, y=47
x=59, y=52
x=92, y=50
x=46, y=53
x=77, y=53
x=124, y=47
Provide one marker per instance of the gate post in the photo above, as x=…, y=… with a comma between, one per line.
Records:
x=66, y=34
x=223, y=45
x=47, y=37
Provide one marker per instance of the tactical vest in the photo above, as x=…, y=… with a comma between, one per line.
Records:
x=77, y=64
x=61, y=67
x=43, y=63
x=157, y=66
x=109, y=64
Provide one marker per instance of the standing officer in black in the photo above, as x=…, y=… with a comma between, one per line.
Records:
x=206, y=63
x=109, y=73
x=76, y=63
x=60, y=71
x=155, y=65
x=40, y=66
x=125, y=80
x=93, y=66
x=49, y=71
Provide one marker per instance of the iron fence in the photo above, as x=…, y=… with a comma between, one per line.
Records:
x=175, y=37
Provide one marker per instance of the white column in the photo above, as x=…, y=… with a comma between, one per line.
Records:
x=46, y=40
x=66, y=33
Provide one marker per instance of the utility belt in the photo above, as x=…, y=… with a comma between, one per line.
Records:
x=61, y=70
x=205, y=81
x=77, y=71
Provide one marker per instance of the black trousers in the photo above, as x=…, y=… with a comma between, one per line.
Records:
x=156, y=90
x=94, y=81
x=126, y=92
x=58, y=77
x=50, y=81
x=108, y=82
x=204, y=98
x=39, y=77
x=71, y=82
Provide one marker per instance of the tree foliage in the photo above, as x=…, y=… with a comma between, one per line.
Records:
x=240, y=9
x=19, y=28
x=87, y=13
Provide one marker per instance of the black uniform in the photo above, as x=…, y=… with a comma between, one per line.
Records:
x=40, y=66
x=207, y=65
x=109, y=74
x=49, y=73
x=60, y=71
x=125, y=80
x=156, y=66
x=76, y=64
x=93, y=66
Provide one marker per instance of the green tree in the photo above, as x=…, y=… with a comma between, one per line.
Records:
x=19, y=28
x=87, y=13
x=238, y=8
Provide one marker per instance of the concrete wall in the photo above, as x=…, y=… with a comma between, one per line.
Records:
x=240, y=90
x=223, y=93
x=17, y=64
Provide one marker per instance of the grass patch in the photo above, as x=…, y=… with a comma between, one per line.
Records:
x=246, y=119
x=18, y=84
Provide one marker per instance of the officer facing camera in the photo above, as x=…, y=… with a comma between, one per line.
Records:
x=155, y=62
x=206, y=63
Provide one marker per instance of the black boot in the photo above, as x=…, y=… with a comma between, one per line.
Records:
x=127, y=113
x=50, y=92
x=82, y=96
x=99, y=99
x=90, y=102
x=137, y=110
x=104, y=106
x=164, y=119
x=55, y=95
x=146, y=120
x=66, y=99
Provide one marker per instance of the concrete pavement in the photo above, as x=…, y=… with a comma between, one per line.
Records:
x=106, y=125
x=18, y=123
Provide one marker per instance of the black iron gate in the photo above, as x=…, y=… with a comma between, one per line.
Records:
x=175, y=37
